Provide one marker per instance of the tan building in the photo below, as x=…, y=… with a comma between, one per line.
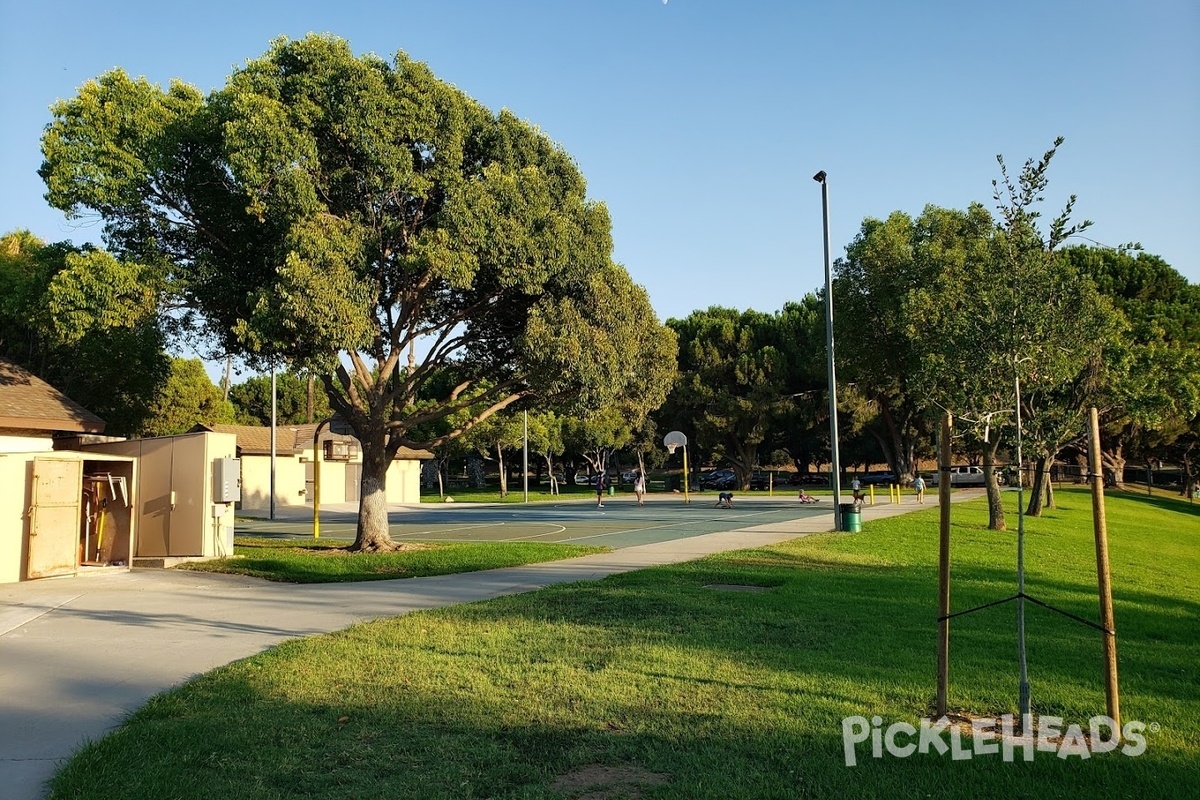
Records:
x=60, y=510
x=341, y=467
x=73, y=500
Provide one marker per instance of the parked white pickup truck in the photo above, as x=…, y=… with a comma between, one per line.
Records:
x=961, y=476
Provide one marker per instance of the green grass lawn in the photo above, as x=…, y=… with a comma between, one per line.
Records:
x=650, y=685
x=304, y=560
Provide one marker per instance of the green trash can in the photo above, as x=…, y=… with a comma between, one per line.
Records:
x=612, y=490
x=851, y=518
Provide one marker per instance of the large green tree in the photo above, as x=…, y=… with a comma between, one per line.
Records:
x=252, y=400
x=188, y=398
x=877, y=350
x=734, y=387
x=1151, y=375
x=85, y=322
x=364, y=219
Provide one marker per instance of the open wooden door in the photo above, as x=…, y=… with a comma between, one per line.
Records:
x=54, y=518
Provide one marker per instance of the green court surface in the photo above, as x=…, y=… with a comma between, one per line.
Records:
x=620, y=523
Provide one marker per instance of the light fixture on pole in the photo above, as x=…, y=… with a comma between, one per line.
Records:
x=671, y=441
x=836, y=477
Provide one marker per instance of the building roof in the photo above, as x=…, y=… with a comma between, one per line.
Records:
x=29, y=403
x=255, y=440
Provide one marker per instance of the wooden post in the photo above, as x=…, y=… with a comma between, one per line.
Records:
x=943, y=668
x=1112, y=694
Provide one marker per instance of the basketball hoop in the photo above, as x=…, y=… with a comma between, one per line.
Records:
x=671, y=441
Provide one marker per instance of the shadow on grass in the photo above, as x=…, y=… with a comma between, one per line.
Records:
x=413, y=726
x=1179, y=505
x=728, y=694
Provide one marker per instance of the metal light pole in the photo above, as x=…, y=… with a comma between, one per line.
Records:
x=525, y=457
x=273, y=422
x=839, y=523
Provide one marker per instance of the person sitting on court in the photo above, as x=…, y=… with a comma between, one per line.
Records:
x=807, y=498
x=725, y=500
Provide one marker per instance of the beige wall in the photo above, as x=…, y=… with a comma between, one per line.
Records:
x=256, y=482
x=31, y=442
x=14, y=521
x=403, y=481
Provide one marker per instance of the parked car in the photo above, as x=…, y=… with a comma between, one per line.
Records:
x=719, y=479
x=628, y=476
x=877, y=478
x=808, y=479
x=583, y=479
x=961, y=476
x=760, y=480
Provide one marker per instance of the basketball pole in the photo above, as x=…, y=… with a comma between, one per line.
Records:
x=686, y=499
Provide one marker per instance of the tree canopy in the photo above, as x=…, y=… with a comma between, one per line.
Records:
x=87, y=323
x=739, y=370
x=252, y=400
x=188, y=398
x=364, y=219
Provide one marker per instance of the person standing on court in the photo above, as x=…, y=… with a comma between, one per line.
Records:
x=600, y=481
x=919, y=487
x=639, y=487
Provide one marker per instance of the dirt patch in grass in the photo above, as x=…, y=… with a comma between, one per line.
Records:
x=600, y=782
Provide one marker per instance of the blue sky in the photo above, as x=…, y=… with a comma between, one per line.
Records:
x=701, y=122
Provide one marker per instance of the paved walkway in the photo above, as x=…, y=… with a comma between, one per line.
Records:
x=78, y=654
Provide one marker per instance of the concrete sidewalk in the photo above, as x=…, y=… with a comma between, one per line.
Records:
x=79, y=654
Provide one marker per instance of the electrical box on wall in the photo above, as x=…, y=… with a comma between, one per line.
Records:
x=227, y=480
x=340, y=450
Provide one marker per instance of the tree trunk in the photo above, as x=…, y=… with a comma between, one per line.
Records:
x=503, y=474
x=996, y=520
x=743, y=463
x=372, y=533
x=1114, y=462
x=1039, y=491
x=311, y=398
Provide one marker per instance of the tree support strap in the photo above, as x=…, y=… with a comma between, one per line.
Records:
x=1088, y=622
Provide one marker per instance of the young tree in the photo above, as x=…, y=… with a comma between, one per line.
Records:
x=345, y=212
x=546, y=440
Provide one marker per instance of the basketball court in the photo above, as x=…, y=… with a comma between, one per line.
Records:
x=620, y=523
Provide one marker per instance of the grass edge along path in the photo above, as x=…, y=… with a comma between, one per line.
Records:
x=681, y=691
x=303, y=560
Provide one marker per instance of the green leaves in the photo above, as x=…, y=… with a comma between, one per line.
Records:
x=330, y=209
x=96, y=292
x=85, y=322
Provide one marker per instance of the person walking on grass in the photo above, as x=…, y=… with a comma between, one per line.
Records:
x=639, y=487
x=919, y=487
x=600, y=481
